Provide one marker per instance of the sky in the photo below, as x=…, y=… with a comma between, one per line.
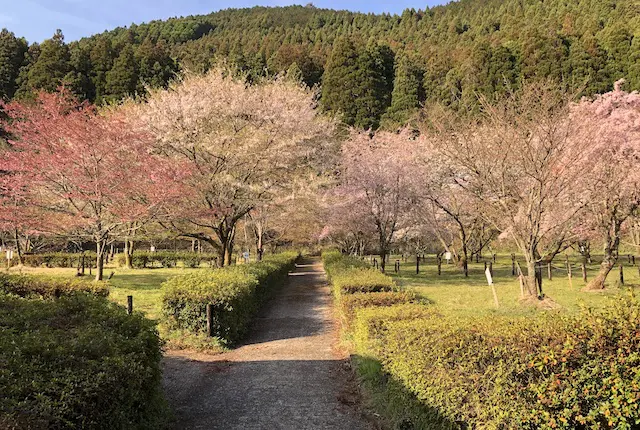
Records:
x=37, y=20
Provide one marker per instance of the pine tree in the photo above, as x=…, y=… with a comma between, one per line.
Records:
x=12, y=57
x=50, y=68
x=407, y=94
x=122, y=79
x=101, y=57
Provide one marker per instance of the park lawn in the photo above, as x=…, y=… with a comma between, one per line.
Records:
x=451, y=292
x=142, y=284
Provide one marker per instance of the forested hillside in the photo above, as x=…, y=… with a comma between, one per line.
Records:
x=374, y=68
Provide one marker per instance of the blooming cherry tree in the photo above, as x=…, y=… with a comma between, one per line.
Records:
x=71, y=169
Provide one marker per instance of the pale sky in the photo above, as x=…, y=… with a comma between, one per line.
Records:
x=37, y=20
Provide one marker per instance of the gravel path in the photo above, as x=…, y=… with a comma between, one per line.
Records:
x=288, y=375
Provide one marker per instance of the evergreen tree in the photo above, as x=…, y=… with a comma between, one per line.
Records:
x=374, y=85
x=12, y=57
x=338, y=82
x=78, y=80
x=407, y=94
x=101, y=57
x=156, y=67
x=50, y=68
x=122, y=79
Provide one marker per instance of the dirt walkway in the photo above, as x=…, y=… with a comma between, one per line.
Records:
x=288, y=375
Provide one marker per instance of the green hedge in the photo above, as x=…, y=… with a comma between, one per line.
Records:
x=236, y=293
x=549, y=371
x=168, y=259
x=57, y=259
x=78, y=362
x=543, y=371
x=351, y=303
x=49, y=287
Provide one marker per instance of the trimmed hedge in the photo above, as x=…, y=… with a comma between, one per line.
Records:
x=78, y=362
x=352, y=303
x=167, y=259
x=236, y=293
x=58, y=259
x=49, y=287
x=546, y=371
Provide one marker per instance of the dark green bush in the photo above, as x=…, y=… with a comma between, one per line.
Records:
x=548, y=371
x=236, y=293
x=78, y=362
x=335, y=262
x=49, y=287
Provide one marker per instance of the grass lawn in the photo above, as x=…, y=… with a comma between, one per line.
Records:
x=142, y=284
x=453, y=293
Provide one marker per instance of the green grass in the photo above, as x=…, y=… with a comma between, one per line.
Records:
x=142, y=284
x=452, y=292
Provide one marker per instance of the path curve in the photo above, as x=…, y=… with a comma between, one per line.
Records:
x=289, y=374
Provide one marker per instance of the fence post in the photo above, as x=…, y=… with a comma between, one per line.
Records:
x=485, y=266
x=417, y=264
x=495, y=257
x=129, y=305
x=210, y=320
x=491, y=268
x=513, y=264
x=621, y=274
x=439, y=265
x=397, y=266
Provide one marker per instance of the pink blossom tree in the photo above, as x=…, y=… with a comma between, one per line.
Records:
x=519, y=163
x=378, y=182
x=610, y=125
x=73, y=169
x=242, y=146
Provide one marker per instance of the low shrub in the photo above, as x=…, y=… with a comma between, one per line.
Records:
x=78, y=362
x=335, y=262
x=57, y=259
x=350, y=281
x=49, y=287
x=350, y=303
x=548, y=371
x=167, y=259
x=236, y=293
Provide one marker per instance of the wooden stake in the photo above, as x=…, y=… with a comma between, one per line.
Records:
x=621, y=274
x=210, y=320
x=129, y=305
x=417, y=264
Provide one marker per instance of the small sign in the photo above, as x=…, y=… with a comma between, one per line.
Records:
x=9, y=254
x=489, y=277
x=447, y=256
x=153, y=249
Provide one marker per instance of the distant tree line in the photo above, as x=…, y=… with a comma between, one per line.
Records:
x=376, y=70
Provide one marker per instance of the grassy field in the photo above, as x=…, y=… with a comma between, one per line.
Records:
x=142, y=284
x=453, y=293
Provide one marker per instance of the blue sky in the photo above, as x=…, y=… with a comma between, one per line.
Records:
x=37, y=20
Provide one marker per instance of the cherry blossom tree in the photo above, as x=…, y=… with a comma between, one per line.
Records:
x=610, y=124
x=242, y=145
x=378, y=182
x=519, y=163
x=72, y=169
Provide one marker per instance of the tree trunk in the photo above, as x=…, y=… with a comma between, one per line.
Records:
x=259, y=243
x=383, y=259
x=18, y=249
x=612, y=243
x=101, y=245
x=128, y=253
x=531, y=283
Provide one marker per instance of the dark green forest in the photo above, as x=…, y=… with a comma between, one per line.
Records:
x=374, y=69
